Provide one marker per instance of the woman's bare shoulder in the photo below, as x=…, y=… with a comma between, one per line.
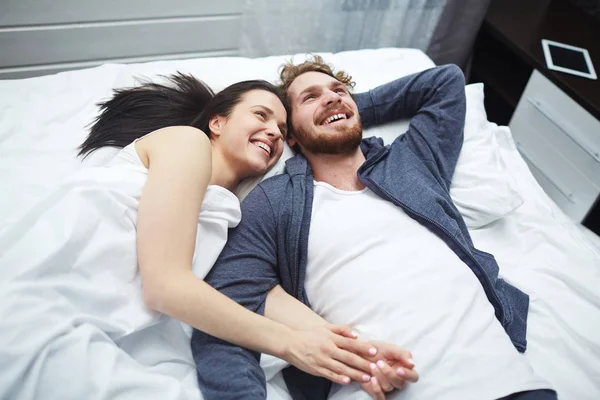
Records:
x=172, y=140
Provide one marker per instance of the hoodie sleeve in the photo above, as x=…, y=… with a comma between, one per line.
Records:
x=436, y=103
x=245, y=271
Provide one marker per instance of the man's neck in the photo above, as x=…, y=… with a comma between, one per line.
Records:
x=340, y=171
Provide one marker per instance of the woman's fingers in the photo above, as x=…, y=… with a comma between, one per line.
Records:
x=352, y=360
x=343, y=330
x=334, y=377
x=356, y=346
x=343, y=369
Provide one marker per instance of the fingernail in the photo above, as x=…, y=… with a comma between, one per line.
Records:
x=346, y=379
x=354, y=334
x=410, y=360
x=374, y=381
x=372, y=351
x=400, y=371
x=373, y=366
x=380, y=364
x=366, y=378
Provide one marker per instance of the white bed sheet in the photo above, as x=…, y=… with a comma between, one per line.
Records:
x=538, y=248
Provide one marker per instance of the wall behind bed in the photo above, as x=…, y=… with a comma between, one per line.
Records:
x=39, y=37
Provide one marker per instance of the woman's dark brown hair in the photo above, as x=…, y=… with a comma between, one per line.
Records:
x=134, y=112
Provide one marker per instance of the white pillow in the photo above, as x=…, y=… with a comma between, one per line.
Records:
x=481, y=188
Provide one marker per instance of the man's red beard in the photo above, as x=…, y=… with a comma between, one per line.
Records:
x=340, y=140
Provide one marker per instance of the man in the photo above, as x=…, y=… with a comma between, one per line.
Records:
x=368, y=235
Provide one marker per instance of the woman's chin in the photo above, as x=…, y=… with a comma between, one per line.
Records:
x=257, y=168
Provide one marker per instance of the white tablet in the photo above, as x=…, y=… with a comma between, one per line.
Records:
x=568, y=59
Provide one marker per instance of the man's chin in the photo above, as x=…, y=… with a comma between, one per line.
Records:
x=335, y=139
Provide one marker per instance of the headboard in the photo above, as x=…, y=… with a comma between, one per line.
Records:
x=39, y=37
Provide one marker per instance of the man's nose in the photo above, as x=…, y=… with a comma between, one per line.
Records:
x=332, y=98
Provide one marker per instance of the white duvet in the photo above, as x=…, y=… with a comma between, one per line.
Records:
x=42, y=121
x=74, y=324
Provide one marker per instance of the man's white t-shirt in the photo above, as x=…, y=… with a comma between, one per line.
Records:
x=373, y=267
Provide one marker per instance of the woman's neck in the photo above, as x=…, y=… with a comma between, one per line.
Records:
x=222, y=173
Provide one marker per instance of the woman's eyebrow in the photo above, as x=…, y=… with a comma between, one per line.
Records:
x=267, y=109
x=282, y=126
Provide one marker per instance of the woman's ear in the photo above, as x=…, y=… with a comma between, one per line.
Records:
x=215, y=125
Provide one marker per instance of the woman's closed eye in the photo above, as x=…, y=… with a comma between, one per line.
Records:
x=261, y=114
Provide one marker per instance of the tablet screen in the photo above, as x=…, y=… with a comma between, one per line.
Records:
x=567, y=58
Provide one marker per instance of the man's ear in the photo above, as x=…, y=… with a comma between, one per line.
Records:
x=291, y=141
x=215, y=125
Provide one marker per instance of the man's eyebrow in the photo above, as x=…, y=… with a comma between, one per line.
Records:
x=311, y=88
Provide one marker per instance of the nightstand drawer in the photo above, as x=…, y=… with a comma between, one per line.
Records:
x=571, y=191
x=565, y=125
x=556, y=190
x=561, y=143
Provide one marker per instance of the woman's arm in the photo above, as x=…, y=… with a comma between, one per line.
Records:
x=288, y=310
x=179, y=169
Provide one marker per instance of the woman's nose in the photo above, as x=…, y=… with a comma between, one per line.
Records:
x=273, y=131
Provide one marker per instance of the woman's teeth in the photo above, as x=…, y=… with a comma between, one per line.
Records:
x=263, y=146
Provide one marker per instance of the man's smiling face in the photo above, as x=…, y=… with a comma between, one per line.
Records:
x=325, y=118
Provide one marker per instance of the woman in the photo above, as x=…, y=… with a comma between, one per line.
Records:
x=239, y=134
x=163, y=204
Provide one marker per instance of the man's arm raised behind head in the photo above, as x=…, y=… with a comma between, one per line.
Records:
x=244, y=272
x=435, y=101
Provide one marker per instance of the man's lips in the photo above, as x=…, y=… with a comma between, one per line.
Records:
x=335, y=117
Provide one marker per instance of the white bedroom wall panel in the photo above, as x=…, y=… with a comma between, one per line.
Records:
x=39, y=37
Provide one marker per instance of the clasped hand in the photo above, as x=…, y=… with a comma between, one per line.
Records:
x=336, y=353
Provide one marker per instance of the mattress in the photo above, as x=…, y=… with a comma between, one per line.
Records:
x=539, y=250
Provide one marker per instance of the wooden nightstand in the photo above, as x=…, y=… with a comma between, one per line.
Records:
x=554, y=117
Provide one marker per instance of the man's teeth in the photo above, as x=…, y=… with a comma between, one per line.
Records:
x=263, y=146
x=333, y=118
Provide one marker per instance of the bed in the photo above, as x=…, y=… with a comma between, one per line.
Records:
x=539, y=250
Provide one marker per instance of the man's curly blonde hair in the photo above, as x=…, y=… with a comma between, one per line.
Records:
x=289, y=72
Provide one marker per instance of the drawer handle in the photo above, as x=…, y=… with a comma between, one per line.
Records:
x=546, y=113
x=566, y=194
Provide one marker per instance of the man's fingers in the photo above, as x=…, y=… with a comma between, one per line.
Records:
x=396, y=353
x=395, y=376
x=410, y=375
x=368, y=387
x=358, y=347
x=383, y=380
x=373, y=389
x=376, y=390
